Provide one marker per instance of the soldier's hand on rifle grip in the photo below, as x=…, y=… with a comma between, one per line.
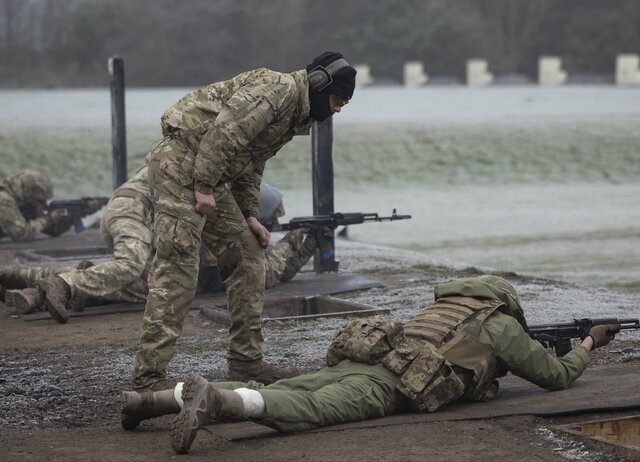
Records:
x=264, y=237
x=205, y=204
x=603, y=334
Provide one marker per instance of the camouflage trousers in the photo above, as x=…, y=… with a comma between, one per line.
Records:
x=287, y=257
x=347, y=392
x=122, y=279
x=179, y=232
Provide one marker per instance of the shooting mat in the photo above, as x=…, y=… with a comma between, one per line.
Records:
x=607, y=388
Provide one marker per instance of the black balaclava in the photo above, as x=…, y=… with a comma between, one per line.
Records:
x=343, y=85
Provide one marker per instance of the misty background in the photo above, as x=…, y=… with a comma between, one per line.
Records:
x=526, y=178
x=66, y=43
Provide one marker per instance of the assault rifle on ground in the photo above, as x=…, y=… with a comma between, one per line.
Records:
x=558, y=336
x=78, y=208
x=333, y=220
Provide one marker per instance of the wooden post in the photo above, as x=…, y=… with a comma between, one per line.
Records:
x=321, y=152
x=118, y=125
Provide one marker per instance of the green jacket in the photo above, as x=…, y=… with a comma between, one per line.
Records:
x=234, y=126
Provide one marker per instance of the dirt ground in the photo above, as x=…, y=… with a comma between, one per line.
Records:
x=60, y=387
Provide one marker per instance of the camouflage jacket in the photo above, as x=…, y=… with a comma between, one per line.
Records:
x=13, y=224
x=234, y=126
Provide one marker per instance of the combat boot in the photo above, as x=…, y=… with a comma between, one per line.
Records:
x=56, y=294
x=24, y=301
x=201, y=403
x=137, y=407
x=259, y=371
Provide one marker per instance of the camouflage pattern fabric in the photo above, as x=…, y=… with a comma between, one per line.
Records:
x=179, y=232
x=231, y=128
x=365, y=341
x=126, y=228
x=28, y=189
x=217, y=140
x=26, y=276
x=286, y=258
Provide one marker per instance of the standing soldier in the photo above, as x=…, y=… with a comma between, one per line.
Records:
x=23, y=197
x=205, y=178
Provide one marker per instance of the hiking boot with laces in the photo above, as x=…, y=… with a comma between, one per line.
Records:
x=56, y=294
x=201, y=404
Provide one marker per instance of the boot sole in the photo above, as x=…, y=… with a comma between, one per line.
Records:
x=22, y=302
x=59, y=314
x=128, y=421
x=185, y=426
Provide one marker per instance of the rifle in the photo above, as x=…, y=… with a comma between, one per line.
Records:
x=558, y=336
x=333, y=220
x=318, y=223
x=77, y=208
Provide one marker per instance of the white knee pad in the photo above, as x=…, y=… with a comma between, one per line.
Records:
x=253, y=401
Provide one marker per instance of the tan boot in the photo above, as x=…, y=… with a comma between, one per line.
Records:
x=56, y=294
x=243, y=371
x=137, y=407
x=24, y=301
x=202, y=402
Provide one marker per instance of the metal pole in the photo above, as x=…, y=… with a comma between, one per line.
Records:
x=118, y=125
x=322, y=158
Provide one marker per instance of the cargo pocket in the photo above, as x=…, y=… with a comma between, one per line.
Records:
x=176, y=240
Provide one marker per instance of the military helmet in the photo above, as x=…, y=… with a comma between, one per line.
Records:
x=486, y=286
x=270, y=203
x=501, y=284
x=510, y=297
x=29, y=187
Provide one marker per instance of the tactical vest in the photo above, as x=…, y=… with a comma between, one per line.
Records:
x=448, y=332
x=437, y=355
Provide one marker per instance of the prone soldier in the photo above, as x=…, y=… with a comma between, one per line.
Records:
x=23, y=198
x=454, y=350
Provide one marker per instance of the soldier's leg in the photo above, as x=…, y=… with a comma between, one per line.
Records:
x=173, y=276
x=23, y=277
x=131, y=251
x=241, y=262
x=303, y=247
x=347, y=392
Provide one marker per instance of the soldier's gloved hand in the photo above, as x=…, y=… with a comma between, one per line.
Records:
x=602, y=335
x=92, y=206
x=59, y=221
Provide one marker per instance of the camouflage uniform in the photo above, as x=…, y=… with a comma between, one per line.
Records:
x=126, y=228
x=217, y=140
x=496, y=342
x=287, y=257
x=22, y=199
